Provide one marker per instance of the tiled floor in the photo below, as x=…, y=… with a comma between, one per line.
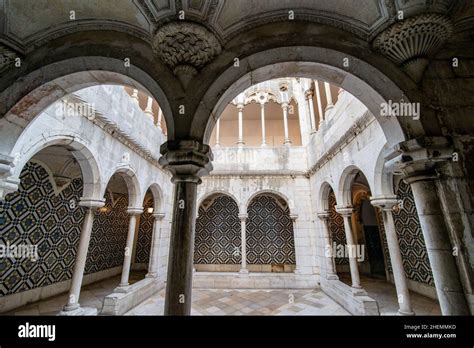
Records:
x=386, y=296
x=249, y=302
x=239, y=302
x=91, y=296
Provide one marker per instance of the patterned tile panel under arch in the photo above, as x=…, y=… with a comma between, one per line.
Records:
x=145, y=234
x=410, y=237
x=270, y=238
x=34, y=215
x=336, y=227
x=109, y=235
x=217, y=238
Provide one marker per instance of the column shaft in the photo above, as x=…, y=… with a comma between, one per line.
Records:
x=180, y=264
x=311, y=113
x=127, y=260
x=329, y=259
x=218, y=132
x=440, y=253
x=287, y=140
x=155, y=246
x=160, y=115
x=80, y=263
x=318, y=101
x=262, y=114
x=397, y=264
x=240, y=141
x=329, y=104
x=352, y=255
x=243, y=240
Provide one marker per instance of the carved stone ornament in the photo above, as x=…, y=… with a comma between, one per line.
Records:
x=411, y=42
x=186, y=48
x=7, y=57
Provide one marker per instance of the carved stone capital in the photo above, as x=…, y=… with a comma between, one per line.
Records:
x=185, y=47
x=324, y=215
x=417, y=158
x=135, y=210
x=243, y=217
x=410, y=43
x=384, y=202
x=187, y=160
x=345, y=211
x=92, y=203
x=159, y=216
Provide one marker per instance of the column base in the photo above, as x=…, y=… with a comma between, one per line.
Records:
x=123, y=288
x=358, y=291
x=332, y=277
x=244, y=271
x=287, y=142
x=240, y=144
x=79, y=311
x=313, y=131
x=151, y=275
x=400, y=312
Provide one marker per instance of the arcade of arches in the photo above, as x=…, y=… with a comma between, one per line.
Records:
x=280, y=169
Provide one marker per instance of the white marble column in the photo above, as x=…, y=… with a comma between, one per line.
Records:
x=240, y=141
x=218, y=133
x=318, y=101
x=155, y=246
x=287, y=140
x=127, y=260
x=73, y=307
x=262, y=114
x=149, y=108
x=135, y=96
x=243, y=240
x=309, y=98
x=329, y=263
x=327, y=88
x=386, y=204
x=346, y=213
x=160, y=115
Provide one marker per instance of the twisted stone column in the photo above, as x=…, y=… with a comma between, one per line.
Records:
x=187, y=160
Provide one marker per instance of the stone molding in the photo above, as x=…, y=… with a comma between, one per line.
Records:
x=134, y=210
x=410, y=43
x=386, y=203
x=345, y=211
x=416, y=159
x=186, y=48
x=187, y=160
x=92, y=203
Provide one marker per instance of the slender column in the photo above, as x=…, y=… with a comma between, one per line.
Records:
x=155, y=246
x=320, y=106
x=187, y=160
x=346, y=213
x=331, y=273
x=240, y=141
x=135, y=96
x=262, y=114
x=218, y=133
x=243, y=239
x=127, y=260
x=160, y=115
x=386, y=204
x=418, y=160
x=287, y=140
x=309, y=98
x=81, y=255
x=327, y=88
x=149, y=107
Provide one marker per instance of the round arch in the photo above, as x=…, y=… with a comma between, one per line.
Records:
x=206, y=195
x=323, y=200
x=28, y=96
x=135, y=197
x=86, y=158
x=157, y=194
x=344, y=192
x=288, y=201
x=365, y=82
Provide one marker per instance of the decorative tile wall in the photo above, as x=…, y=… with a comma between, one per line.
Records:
x=218, y=234
x=35, y=216
x=145, y=234
x=412, y=244
x=109, y=235
x=270, y=238
x=336, y=228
